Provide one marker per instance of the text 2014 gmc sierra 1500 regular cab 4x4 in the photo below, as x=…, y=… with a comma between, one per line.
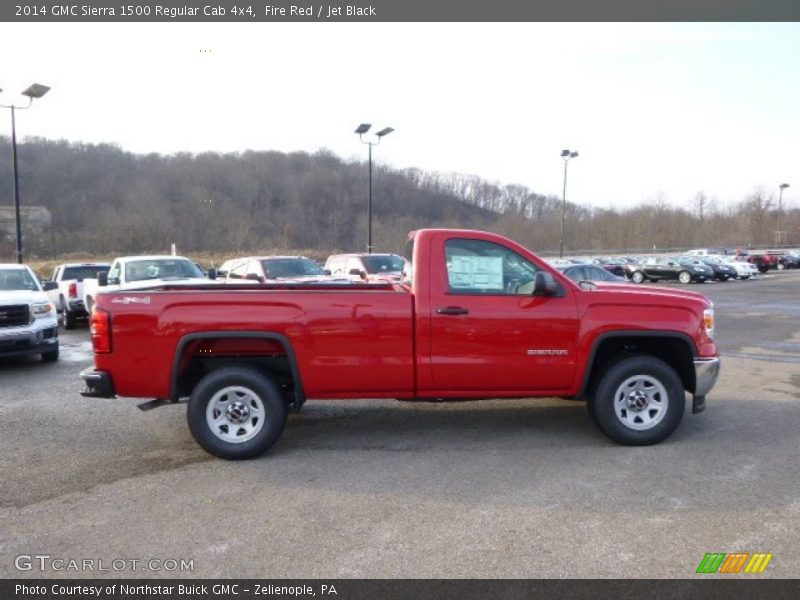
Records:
x=481, y=317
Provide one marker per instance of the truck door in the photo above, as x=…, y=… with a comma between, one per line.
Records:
x=488, y=331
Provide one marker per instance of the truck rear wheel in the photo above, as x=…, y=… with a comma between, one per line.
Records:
x=638, y=401
x=236, y=413
x=69, y=318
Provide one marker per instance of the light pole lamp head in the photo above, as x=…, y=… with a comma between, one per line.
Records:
x=385, y=131
x=36, y=90
x=363, y=128
x=573, y=154
x=564, y=153
x=783, y=186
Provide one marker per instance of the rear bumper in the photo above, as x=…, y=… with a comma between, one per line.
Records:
x=706, y=372
x=77, y=306
x=98, y=384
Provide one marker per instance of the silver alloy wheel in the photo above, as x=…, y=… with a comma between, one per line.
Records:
x=235, y=414
x=641, y=402
x=638, y=277
x=684, y=277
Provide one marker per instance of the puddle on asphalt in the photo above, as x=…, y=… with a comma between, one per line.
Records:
x=80, y=352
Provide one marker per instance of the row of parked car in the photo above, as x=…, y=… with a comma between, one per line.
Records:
x=698, y=265
x=74, y=287
x=30, y=309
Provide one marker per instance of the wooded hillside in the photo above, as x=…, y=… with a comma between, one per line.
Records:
x=105, y=200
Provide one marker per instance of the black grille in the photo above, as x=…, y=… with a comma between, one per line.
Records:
x=14, y=315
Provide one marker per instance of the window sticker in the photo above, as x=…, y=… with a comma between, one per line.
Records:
x=476, y=272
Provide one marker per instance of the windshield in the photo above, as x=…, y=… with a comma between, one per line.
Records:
x=16, y=280
x=383, y=264
x=84, y=272
x=277, y=268
x=161, y=268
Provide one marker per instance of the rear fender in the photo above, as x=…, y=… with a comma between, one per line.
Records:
x=234, y=344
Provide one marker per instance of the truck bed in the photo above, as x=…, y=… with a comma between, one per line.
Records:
x=344, y=338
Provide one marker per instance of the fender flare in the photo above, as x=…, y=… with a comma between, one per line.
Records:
x=674, y=335
x=300, y=396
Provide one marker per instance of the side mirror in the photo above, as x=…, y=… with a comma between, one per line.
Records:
x=254, y=277
x=358, y=273
x=326, y=271
x=49, y=285
x=212, y=274
x=545, y=284
x=102, y=279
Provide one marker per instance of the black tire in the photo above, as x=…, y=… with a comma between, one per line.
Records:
x=602, y=401
x=685, y=277
x=265, y=391
x=68, y=318
x=51, y=356
x=638, y=277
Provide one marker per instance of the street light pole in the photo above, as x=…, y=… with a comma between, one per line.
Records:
x=361, y=130
x=369, y=210
x=566, y=155
x=33, y=91
x=15, y=183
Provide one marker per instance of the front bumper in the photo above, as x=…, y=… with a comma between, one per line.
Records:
x=98, y=384
x=22, y=343
x=706, y=372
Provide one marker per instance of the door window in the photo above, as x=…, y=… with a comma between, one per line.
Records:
x=113, y=273
x=479, y=267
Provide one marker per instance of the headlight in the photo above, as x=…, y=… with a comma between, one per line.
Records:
x=41, y=309
x=708, y=320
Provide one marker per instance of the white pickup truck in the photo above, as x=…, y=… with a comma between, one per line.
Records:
x=69, y=296
x=28, y=323
x=136, y=272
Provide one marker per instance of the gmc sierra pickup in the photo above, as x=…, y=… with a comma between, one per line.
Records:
x=478, y=316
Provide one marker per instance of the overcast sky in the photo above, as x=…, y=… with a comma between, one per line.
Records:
x=663, y=109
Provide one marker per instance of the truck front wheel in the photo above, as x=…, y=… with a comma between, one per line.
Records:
x=638, y=401
x=236, y=413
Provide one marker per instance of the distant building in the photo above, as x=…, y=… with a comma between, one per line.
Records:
x=36, y=219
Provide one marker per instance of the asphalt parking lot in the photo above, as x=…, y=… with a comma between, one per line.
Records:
x=524, y=488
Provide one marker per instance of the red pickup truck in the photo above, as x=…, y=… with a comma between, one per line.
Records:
x=478, y=317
